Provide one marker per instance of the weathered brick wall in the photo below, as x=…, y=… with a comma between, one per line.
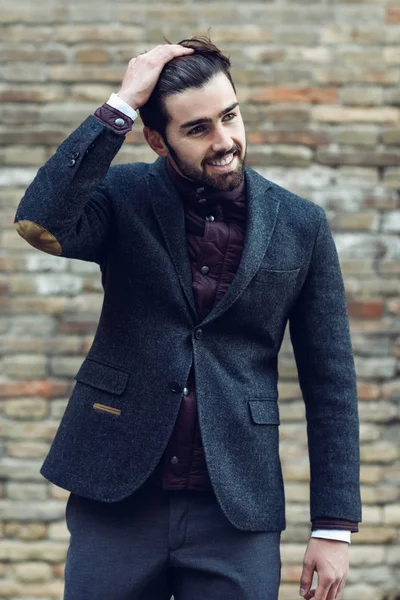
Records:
x=319, y=86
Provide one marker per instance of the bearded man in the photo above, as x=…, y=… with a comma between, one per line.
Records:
x=169, y=442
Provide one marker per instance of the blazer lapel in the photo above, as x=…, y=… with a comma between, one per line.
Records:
x=170, y=215
x=262, y=212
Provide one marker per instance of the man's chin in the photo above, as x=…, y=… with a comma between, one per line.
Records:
x=225, y=182
x=222, y=182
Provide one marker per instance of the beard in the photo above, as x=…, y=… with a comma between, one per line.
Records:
x=222, y=182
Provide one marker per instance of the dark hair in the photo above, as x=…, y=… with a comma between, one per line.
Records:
x=181, y=73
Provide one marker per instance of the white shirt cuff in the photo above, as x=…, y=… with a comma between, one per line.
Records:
x=332, y=534
x=116, y=102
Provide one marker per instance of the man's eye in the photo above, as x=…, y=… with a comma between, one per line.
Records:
x=198, y=129
x=230, y=116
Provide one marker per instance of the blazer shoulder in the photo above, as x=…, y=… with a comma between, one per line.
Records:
x=303, y=217
x=298, y=205
x=289, y=203
x=127, y=180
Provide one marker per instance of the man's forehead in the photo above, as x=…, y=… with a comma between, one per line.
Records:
x=209, y=101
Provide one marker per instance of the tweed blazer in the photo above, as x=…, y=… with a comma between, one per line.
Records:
x=129, y=219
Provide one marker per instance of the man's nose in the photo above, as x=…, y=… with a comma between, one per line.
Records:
x=222, y=140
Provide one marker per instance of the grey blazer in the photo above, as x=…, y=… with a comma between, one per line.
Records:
x=129, y=220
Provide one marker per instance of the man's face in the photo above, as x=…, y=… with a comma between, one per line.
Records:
x=205, y=134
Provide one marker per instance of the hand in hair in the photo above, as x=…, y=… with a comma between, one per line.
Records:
x=143, y=72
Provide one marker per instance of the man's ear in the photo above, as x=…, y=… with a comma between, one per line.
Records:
x=155, y=141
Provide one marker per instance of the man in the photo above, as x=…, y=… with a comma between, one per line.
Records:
x=169, y=443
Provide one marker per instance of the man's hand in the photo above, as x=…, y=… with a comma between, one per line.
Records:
x=143, y=72
x=330, y=559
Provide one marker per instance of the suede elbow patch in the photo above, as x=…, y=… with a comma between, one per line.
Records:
x=38, y=237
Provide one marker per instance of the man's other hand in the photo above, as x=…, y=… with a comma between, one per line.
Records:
x=143, y=72
x=330, y=559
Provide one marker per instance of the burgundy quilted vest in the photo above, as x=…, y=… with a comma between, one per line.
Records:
x=215, y=226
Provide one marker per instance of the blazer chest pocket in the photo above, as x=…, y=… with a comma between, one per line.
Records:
x=275, y=277
x=264, y=412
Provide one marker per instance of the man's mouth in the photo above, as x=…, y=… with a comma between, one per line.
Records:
x=222, y=162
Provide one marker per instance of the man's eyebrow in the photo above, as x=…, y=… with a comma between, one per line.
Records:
x=207, y=119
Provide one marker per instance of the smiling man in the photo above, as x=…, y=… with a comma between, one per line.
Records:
x=169, y=443
x=219, y=165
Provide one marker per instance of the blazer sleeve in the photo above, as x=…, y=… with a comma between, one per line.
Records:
x=66, y=211
x=320, y=335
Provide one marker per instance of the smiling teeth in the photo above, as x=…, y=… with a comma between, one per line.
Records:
x=223, y=162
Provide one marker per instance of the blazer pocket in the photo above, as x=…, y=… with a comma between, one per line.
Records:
x=275, y=276
x=264, y=412
x=103, y=376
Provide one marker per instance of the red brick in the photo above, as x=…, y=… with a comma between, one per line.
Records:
x=41, y=388
x=393, y=14
x=367, y=390
x=327, y=95
x=365, y=309
x=59, y=571
x=74, y=325
x=304, y=138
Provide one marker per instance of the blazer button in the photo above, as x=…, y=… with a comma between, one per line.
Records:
x=175, y=387
x=198, y=334
x=72, y=162
x=174, y=460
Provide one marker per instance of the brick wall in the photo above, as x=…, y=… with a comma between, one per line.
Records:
x=319, y=87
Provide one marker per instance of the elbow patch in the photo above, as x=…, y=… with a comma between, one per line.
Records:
x=38, y=237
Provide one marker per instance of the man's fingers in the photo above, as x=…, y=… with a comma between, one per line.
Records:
x=161, y=55
x=333, y=591
x=327, y=587
x=306, y=577
x=340, y=588
x=171, y=50
x=144, y=70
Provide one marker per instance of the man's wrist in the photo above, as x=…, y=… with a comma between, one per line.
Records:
x=332, y=534
x=118, y=121
x=116, y=102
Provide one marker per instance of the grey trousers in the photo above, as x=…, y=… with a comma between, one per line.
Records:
x=157, y=543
